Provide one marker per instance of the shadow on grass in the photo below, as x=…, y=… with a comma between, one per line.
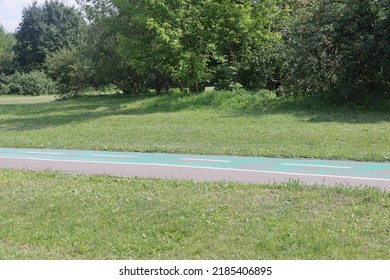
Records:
x=313, y=110
x=62, y=112
x=309, y=109
x=22, y=117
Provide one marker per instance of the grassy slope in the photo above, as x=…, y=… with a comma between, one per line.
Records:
x=208, y=123
x=55, y=216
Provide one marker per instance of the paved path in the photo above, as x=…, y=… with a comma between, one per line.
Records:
x=200, y=167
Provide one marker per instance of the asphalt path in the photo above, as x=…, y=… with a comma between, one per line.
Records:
x=200, y=167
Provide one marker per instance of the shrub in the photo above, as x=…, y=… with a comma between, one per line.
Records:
x=4, y=87
x=32, y=83
x=71, y=70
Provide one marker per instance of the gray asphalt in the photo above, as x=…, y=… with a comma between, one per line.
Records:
x=201, y=168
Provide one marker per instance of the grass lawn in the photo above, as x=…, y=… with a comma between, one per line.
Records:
x=208, y=123
x=48, y=215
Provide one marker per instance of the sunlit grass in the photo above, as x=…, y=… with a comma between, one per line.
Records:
x=255, y=124
x=50, y=215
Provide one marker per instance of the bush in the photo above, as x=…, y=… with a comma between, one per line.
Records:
x=70, y=70
x=4, y=87
x=32, y=83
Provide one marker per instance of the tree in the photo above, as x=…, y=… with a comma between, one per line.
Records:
x=7, y=41
x=7, y=66
x=339, y=47
x=107, y=64
x=147, y=38
x=188, y=42
x=95, y=62
x=70, y=69
x=246, y=37
x=46, y=29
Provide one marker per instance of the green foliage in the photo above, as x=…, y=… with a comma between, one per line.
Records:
x=107, y=65
x=32, y=83
x=149, y=38
x=246, y=37
x=185, y=43
x=70, y=69
x=341, y=47
x=7, y=42
x=45, y=29
x=4, y=85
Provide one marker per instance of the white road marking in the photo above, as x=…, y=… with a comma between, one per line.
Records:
x=116, y=156
x=315, y=165
x=201, y=159
x=211, y=168
x=44, y=153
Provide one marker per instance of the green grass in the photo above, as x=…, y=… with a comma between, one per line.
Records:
x=252, y=124
x=49, y=215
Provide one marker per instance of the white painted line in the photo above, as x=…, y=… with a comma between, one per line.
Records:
x=211, y=168
x=315, y=165
x=201, y=159
x=44, y=153
x=116, y=156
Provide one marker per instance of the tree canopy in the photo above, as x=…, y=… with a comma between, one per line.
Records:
x=45, y=29
x=7, y=42
x=186, y=42
x=338, y=49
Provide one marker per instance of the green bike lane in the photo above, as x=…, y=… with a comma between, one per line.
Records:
x=200, y=167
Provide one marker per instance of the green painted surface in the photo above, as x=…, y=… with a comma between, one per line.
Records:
x=299, y=166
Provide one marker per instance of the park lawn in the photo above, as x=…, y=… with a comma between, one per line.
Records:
x=51, y=215
x=241, y=123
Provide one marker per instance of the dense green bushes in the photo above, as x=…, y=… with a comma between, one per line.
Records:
x=69, y=69
x=32, y=83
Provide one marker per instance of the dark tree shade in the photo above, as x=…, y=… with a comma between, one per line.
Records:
x=45, y=29
x=342, y=48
